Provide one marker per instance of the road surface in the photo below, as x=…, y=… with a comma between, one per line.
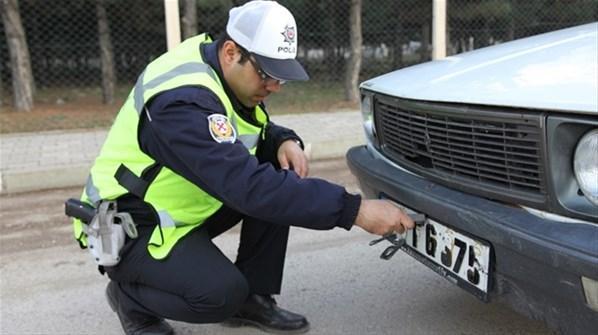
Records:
x=49, y=286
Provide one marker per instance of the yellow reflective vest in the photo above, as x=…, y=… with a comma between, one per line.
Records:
x=123, y=168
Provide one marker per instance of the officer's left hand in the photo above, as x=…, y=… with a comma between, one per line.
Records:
x=290, y=156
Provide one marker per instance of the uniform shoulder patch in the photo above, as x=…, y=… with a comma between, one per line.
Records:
x=221, y=129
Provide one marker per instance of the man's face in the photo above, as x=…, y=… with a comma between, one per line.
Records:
x=245, y=79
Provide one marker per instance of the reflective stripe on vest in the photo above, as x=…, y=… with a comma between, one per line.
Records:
x=249, y=140
x=187, y=68
x=92, y=191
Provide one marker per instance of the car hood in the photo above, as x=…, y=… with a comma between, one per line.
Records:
x=552, y=71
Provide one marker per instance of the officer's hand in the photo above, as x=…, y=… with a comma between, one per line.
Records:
x=382, y=217
x=290, y=156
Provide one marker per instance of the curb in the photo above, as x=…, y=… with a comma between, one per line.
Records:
x=43, y=179
x=17, y=181
x=41, y=161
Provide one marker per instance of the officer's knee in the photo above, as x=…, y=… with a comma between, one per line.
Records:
x=223, y=300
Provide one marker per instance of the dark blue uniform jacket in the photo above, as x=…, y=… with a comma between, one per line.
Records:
x=176, y=135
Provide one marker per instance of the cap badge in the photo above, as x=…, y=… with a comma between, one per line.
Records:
x=289, y=34
x=221, y=129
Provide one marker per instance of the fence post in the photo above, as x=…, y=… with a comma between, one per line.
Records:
x=173, y=26
x=439, y=29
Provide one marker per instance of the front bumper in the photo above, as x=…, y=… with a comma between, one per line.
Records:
x=538, y=263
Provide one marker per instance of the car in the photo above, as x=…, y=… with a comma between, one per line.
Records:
x=496, y=150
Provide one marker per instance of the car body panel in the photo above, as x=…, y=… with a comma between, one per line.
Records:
x=563, y=77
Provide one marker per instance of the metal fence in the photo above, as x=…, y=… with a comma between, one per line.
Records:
x=63, y=39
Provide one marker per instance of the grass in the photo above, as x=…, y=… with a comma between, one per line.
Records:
x=76, y=108
x=308, y=97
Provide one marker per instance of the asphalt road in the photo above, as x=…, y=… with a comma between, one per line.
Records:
x=49, y=286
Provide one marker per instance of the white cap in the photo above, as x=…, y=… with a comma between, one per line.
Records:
x=268, y=31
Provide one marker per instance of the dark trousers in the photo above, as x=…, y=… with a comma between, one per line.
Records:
x=197, y=283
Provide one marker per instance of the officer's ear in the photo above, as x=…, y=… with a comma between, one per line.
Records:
x=229, y=53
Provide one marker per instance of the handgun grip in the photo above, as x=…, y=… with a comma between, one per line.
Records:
x=79, y=210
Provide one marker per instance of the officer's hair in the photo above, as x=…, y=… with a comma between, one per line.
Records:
x=244, y=53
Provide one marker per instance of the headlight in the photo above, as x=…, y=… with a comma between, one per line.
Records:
x=367, y=112
x=585, y=165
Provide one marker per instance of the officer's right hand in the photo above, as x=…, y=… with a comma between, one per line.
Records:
x=382, y=217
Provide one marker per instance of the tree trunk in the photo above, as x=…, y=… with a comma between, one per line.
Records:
x=22, y=77
x=511, y=31
x=190, y=19
x=1, y=84
x=331, y=45
x=354, y=64
x=424, y=51
x=397, y=48
x=106, y=54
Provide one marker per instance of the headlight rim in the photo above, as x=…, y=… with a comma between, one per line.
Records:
x=593, y=198
x=367, y=114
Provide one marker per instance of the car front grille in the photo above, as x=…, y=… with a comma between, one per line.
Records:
x=489, y=150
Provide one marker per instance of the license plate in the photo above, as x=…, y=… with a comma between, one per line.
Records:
x=462, y=259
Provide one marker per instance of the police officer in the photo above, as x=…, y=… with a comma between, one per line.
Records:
x=192, y=153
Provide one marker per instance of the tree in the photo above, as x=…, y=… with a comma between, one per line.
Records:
x=190, y=19
x=106, y=54
x=1, y=86
x=22, y=76
x=354, y=64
